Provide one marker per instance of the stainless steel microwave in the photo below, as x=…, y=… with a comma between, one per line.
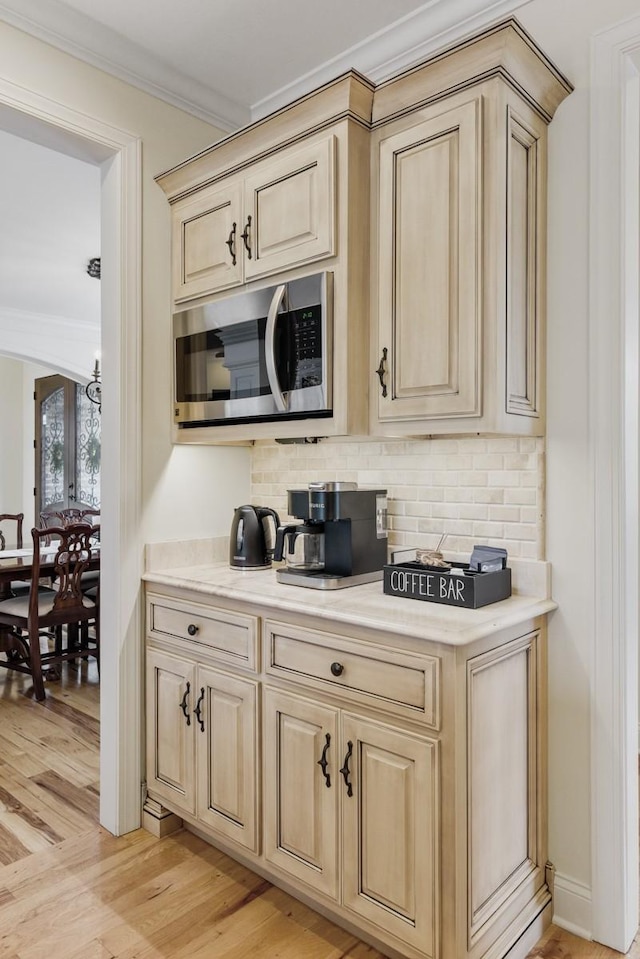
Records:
x=259, y=355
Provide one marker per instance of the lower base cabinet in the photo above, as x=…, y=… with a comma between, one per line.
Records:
x=401, y=789
x=339, y=775
x=202, y=744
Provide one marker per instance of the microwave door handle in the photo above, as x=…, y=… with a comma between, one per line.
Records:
x=280, y=399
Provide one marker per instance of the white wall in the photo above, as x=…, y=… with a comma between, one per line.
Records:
x=564, y=31
x=49, y=305
x=204, y=484
x=11, y=436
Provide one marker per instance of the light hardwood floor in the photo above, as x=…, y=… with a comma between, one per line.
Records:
x=70, y=890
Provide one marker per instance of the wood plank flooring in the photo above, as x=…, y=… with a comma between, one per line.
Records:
x=70, y=890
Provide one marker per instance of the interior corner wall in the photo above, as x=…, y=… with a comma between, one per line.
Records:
x=565, y=32
x=11, y=435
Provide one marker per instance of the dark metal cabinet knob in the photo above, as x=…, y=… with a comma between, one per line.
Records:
x=192, y=629
x=337, y=669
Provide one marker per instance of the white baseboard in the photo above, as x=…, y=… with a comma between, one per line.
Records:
x=572, y=906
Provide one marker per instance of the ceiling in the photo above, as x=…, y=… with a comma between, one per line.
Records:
x=232, y=61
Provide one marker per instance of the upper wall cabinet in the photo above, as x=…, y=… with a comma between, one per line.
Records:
x=280, y=215
x=286, y=197
x=458, y=251
x=425, y=197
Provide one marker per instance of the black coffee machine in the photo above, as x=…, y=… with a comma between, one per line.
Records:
x=342, y=540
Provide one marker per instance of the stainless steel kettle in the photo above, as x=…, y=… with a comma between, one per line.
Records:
x=251, y=544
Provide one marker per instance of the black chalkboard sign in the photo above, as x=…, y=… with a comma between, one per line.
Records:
x=470, y=589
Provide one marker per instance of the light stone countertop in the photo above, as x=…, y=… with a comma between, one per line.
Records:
x=362, y=606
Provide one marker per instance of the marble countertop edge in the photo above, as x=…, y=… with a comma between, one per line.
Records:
x=362, y=606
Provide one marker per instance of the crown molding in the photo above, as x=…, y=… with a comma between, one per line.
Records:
x=432, y=27
x=436, y=25
x=73, y=32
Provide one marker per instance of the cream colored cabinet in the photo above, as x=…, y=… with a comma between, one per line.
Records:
x=202, y=745
x=170, y=741
x=276, y=201
x=205, y=240
x=429, y=260
x=351, y=802
x=301, y=789
x=324, y=767
x=278, y=216
x=459, y=240
x=396, y=783
x=202, y=720
x=390, y=830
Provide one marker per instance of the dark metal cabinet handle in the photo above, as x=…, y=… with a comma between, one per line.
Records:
x=231, y=243
x=192, y=629
x=337, y=669
x=183, y=704
x=382, y=369
x=346, y=772
x=323, y=762
x=245, y=236
x=197, y=712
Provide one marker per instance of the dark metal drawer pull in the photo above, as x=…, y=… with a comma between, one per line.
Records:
x=346, y=772
x=192, y=629
x=337, y=669
x=183, y=704
x=198, y=711
x=323, y=763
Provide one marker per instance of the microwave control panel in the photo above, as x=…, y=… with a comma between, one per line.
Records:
x=306, y=335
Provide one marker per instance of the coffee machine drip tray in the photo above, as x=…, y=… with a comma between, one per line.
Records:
x=322, y=580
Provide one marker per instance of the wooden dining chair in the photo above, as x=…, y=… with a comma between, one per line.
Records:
x=27, y=618
x=68, y=515
x=18, y=588
x=6, y=519
x=63, y=517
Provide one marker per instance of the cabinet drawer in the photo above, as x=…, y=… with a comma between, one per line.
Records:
x=394, y=680
x=231, y=637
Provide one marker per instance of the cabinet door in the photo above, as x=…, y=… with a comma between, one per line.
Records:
x=207, y=248
x=429, y=246
x=226, y=750
x=390, y=830
x=300, y=799
x=291, y=203
x=170, y=740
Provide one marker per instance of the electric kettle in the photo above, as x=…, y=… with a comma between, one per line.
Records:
x=250, y=546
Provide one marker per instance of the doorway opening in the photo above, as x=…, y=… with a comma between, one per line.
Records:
x=117, y=154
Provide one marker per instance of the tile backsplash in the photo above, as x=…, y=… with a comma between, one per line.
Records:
x=474, y=489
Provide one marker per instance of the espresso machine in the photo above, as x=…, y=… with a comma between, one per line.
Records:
x=341, y=541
